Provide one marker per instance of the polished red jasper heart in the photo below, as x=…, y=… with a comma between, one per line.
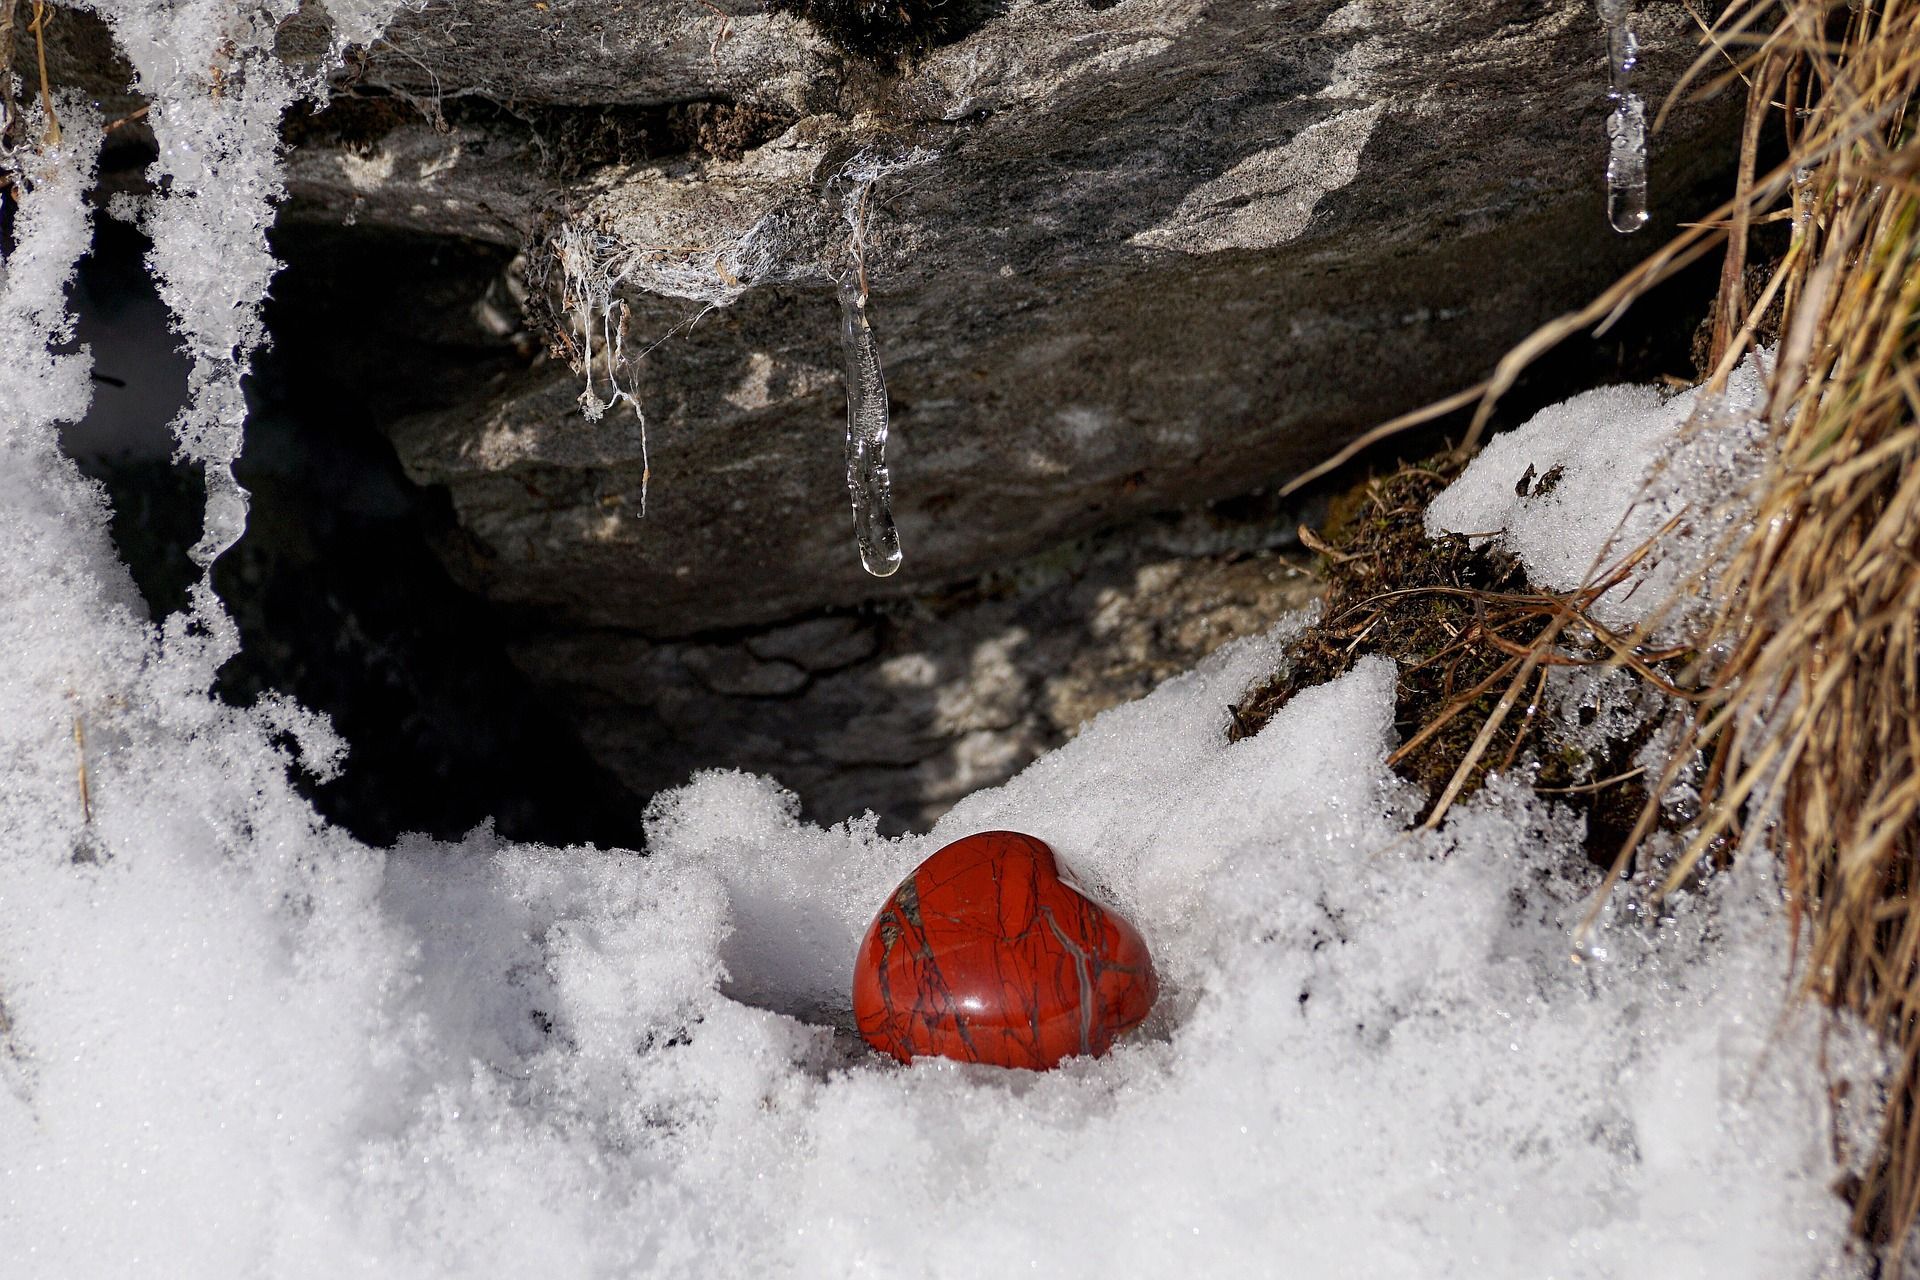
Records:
x=990, y=953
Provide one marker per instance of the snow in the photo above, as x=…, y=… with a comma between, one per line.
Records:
x=238, y=1043
x=1605, y=472
x=244, y=1045
x=241, y=1044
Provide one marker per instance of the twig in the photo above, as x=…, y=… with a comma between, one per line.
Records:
x=80, y=750
x=719, y=37
x=1314, y=542
x=1405, y=422
x=39, y=28
x=7, y=8
x=1600, y=785
x=139, y=113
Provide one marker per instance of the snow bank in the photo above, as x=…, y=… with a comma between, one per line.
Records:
x=1576, y=490
x=239, y=1044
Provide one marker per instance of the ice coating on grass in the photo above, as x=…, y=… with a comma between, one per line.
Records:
x=1605, y=471
x=215, y=118
x=216, y=91
x=38, y=385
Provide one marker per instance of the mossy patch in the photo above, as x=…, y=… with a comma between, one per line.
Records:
x=1457, y=619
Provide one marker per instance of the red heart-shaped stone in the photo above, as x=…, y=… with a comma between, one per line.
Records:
x=990, y=953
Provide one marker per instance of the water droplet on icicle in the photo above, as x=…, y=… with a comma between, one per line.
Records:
x=1627, y=165
x=868, y=482
x=1626, y=124
x=226, y=514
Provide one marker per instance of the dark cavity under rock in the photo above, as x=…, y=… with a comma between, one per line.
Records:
x=905, y=709
x=339, y=600
x=887, y=30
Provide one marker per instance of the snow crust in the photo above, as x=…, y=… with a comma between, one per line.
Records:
x=237, y=1043
x=1625, y=462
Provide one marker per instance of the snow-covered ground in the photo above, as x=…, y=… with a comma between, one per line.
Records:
x=237, y=1043
x=241, y=1044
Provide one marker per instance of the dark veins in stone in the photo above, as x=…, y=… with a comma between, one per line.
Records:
x=989, y=953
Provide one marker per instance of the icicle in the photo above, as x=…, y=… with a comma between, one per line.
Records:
x=620, y=249
x=1626, y=125
x=868, y=482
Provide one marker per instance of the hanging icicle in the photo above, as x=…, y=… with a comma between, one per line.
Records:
x=868, y=482
x=1626, y=124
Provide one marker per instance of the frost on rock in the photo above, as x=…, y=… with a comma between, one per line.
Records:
x=1580, y=487
x=709, y=244
x=216, y=91
x=599, y=320
x=680, y=241
x=1626, y=122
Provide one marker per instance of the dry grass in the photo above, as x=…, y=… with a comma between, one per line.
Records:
x=1802, y=719
x=8, y=12
x=1809, y=719
x=9, y=109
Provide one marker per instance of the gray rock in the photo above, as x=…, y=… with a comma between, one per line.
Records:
x=904, y=711
x=819, y=644
x=1122, y=258
x=734, y=672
